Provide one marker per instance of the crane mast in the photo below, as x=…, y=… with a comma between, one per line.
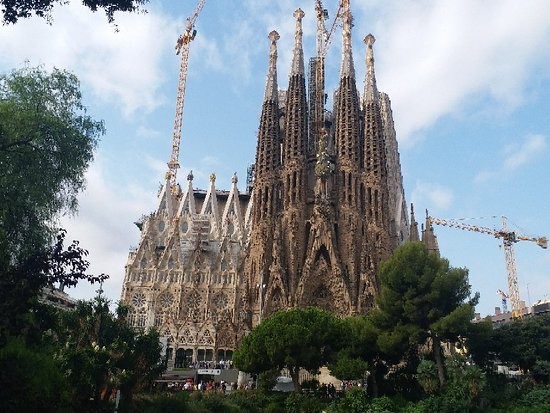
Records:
x=182, y=47
x=509, y=238
x=317, y=70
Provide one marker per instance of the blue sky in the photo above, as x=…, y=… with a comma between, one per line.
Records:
x=470, y=89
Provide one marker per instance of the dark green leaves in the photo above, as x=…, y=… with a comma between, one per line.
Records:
x=46, y=144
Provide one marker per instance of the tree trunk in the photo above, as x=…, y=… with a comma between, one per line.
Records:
x=295, y=375
x=374, y=383
x=438, y=356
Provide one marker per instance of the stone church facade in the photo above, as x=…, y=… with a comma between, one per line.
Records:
x=326, y=207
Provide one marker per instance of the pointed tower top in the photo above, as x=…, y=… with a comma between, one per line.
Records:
x=234, y=178
x=371, y=92
x=271, y=84
x=190, y=176
x=413, y=230
x=298, y=57
x=428, y=236
x=347, y=68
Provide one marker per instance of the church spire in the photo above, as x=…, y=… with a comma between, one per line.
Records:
x=271, y=83
x=298, y=56
x=268, y=151
x=413, y=231
x=295, y=120
x=371, y=92
x=347, y=68
x=428, y=236
x=374, y=154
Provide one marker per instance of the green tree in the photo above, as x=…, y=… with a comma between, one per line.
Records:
x=422, y=299
x=30, y=379
x=480, y=344
x=360, y=354
x=46, y=144
x=99, y=352
x=21, y=312
x=524, y=342
x=13, y=10
x=297, y=338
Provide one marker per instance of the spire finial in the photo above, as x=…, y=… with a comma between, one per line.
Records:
x=371, y=92
x=190, y=175
x=347, y=68
x=212, y=177
x=234, y=178
x=271, y=84
x=298, y=57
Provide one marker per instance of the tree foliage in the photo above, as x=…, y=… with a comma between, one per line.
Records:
x=46, y=144
x=422, y=297
x=31, y=380
x=13, y=10
x=360, y=354
x=296, y=338
x=99, y=352
x=524, y=342
x=21, y=287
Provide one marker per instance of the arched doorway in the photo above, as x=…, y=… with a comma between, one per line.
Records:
x=180, y=358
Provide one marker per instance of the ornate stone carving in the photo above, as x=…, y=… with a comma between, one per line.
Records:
x=138, y=300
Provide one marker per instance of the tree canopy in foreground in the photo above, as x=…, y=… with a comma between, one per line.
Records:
x=13, y=10
x=296, y=338
x=422, y=299
x=47, y=142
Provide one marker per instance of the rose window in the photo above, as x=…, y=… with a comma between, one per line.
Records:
x=166, y=300
x=138, y=300
x=221, y=300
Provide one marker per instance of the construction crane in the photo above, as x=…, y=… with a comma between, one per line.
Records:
x=182, y=47
x=509, y=238
x=323, y=40
x=504, y=297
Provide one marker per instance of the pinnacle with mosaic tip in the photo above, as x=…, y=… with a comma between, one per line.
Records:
x=298, y=56
x=371, y=91
x=271, y=84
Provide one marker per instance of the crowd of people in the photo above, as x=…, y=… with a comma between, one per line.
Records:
x=206, y=385
x=219, y=364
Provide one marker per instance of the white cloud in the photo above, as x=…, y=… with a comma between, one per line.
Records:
x=104, y=227
x=432, y=195
x=519, y=155
x=432, y=56
x=121, y=68
x=515, y=156
x=148, y=133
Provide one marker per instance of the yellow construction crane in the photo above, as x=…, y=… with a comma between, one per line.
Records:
x=182, y=47
x=509, y=238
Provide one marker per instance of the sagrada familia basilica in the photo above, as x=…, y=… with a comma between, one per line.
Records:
x=326, y=205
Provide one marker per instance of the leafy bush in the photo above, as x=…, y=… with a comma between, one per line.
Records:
x=382, y=405
x=301, y=403
x=541, y=371
x=427, y=376
x=215, y=402
x=354, y=401
x=30, y=380
x=166, y=403
x=539, y=397
x=248, y=401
